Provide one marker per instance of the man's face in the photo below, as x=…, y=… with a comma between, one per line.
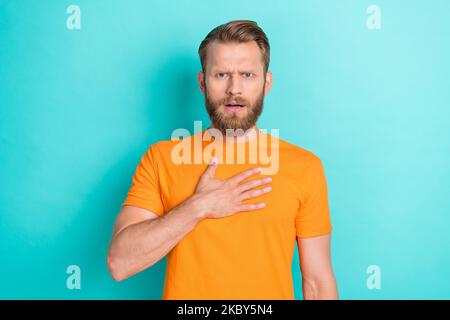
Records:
x=234, y=85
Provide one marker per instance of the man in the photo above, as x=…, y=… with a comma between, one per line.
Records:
x=228, y=231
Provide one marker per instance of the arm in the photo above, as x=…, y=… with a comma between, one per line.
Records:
x=141, y=238
x=315, y=265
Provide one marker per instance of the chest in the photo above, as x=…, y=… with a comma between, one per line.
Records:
x=282, y=202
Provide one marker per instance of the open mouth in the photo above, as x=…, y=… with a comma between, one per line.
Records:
x=234, y=107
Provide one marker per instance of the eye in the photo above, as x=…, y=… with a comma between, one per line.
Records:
x=221, y=74
x=248, y=74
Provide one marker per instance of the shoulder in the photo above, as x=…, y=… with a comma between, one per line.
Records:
x=298, y=155
x=162, y=147
x=163, y=150
x=304, y=167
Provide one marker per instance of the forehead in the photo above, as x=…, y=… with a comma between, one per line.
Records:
x=230, y=55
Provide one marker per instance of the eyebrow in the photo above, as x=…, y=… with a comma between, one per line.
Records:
x=225, y=69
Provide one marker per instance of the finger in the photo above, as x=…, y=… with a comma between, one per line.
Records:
x=254, y=193
x=211, y=169
x=251, y=206
x=244, y=175
x=253, y=183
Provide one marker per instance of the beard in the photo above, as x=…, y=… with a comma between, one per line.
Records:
x=223, y=120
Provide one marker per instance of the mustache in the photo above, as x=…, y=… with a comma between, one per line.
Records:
x=235, y=101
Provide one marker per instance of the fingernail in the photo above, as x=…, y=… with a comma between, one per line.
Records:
x=267, y=189
x=268, y=179
x=213, y=160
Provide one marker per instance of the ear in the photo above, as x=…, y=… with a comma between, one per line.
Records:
x=268, y=82
x=201, y=81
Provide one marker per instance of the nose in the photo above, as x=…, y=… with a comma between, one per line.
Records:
x=234, y=86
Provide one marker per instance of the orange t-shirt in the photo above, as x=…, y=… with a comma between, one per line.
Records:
x=247, y=255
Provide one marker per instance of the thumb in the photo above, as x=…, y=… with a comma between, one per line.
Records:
x=212, y=167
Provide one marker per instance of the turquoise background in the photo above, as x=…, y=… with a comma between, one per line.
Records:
x=79, y=108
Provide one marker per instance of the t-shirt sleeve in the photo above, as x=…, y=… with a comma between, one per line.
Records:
x=145, y=190
x=313, y=216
